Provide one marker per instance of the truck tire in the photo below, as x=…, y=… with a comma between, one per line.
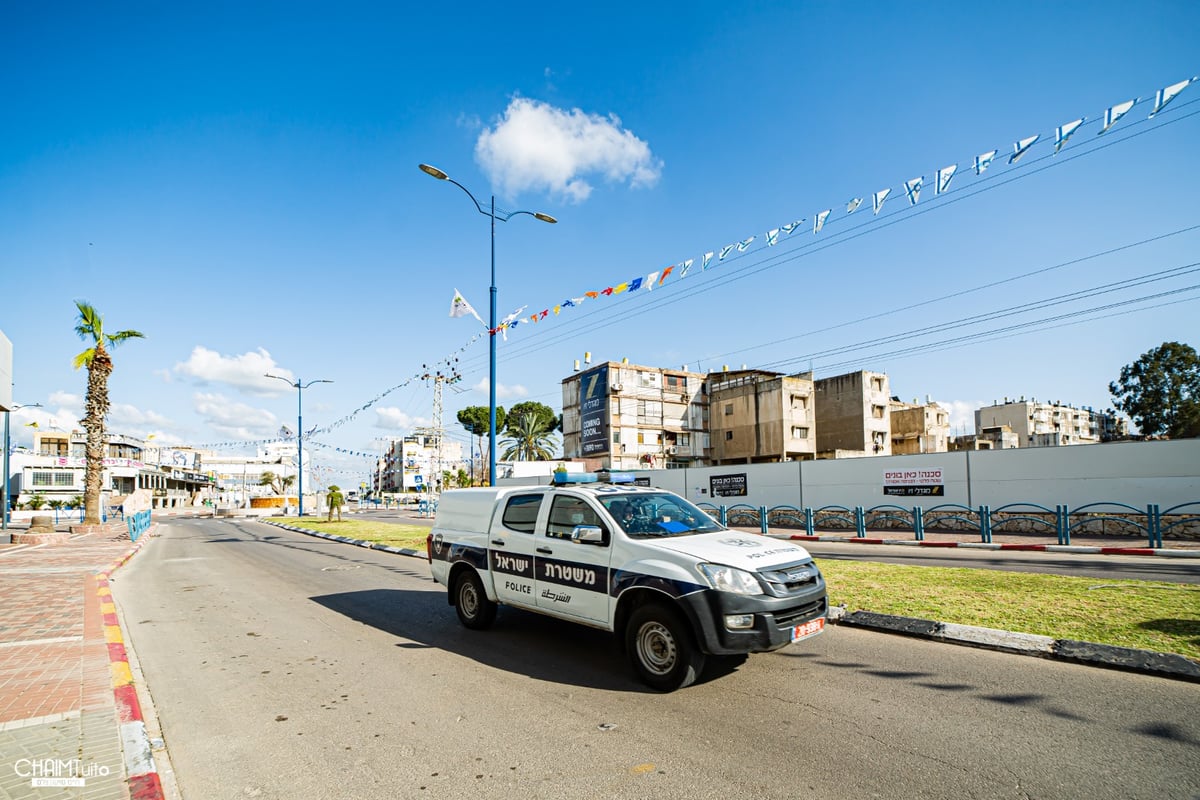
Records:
x=475, y=610
x=661, y=647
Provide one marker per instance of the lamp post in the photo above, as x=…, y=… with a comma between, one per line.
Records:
x=299, y=387
x=7, y=447
x=502, y=216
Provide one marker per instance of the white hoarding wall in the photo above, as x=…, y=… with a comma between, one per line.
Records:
x=1134, y=473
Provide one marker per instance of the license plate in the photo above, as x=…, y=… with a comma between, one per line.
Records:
x=808, y=629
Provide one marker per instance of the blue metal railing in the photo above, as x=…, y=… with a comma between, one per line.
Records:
x=1061, y=520
x=138, y=524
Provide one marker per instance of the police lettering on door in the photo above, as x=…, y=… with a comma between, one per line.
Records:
x=578, y=576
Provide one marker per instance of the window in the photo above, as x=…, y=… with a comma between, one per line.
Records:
x=42, y=478
x=567, y=512
x=729, y=409
x=877, y=384
x=521, y=512
x=683, y=439
x=64, y=479
x=877, y=412
x=799, y=401
x=676, y=382
x=729, y=436
x=799, y=433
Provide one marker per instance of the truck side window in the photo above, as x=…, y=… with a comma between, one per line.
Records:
x=521, y=512
x=566, y=513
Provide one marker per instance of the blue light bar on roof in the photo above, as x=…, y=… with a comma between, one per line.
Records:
x=574, y=477
x=621, y=477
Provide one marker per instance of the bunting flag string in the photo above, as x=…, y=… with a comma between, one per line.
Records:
x=912, y=189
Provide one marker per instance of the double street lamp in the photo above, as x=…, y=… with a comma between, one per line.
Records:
x=299, y=387
x=502, y=216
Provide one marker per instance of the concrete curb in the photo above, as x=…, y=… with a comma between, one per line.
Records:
x=1050, y=548
x=140, y=770
x=1165, y=665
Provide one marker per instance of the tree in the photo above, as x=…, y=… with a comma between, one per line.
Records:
x=90, y=328
x=530, y=438
x=279, y=483
x=545, y=415
x=477, y=421
x=1161, y=391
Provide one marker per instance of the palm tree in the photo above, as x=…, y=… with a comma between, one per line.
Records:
x=531, y=439
x=90, y=327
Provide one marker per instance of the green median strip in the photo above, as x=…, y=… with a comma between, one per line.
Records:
x=1147, y=615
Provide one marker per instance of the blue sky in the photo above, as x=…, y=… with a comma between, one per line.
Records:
x=239, y=182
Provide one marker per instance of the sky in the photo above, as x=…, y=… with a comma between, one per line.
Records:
x=239, y=182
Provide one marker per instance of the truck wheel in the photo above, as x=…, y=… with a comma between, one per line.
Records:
x=660, y=645
x=471, y=602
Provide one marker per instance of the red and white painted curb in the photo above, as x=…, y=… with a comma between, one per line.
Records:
x=140, y=770
x=1049, y=548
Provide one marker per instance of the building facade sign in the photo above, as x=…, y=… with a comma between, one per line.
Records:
x=593, y=412
x=727, y=485
x=914, y=482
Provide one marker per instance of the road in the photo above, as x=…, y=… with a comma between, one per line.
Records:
x=284, y=666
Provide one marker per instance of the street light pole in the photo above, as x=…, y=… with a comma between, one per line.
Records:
x=7, y=447
x=502, y=216
x=299, y=387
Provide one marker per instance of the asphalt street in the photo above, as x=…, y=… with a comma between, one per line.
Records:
x=291, y=667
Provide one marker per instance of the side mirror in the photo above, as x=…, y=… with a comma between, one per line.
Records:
x=588, y=534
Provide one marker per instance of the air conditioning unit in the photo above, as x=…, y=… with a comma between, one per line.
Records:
x=616, y=387
x=677, y=450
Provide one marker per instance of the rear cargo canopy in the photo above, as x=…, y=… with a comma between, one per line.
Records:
x=470, y=509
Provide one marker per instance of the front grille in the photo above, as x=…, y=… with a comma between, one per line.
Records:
x=790, y=579
x=799, y=614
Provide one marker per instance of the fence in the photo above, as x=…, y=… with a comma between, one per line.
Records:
x=1150, y=523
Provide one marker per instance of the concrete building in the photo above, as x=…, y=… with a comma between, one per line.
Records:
x=624, y=416
x=1000, y=437
x=852, y=415
x=1048, y=424
x=759, y=417
x=918, y=428
x=409, y=464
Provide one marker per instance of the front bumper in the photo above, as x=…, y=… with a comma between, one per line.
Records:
x=774, y=618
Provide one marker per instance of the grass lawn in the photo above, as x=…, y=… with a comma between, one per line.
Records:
x=1149, y=615
x=1163, y=617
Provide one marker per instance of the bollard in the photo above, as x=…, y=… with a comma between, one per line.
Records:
x=860, y=522
x=919, y=523
x=808, y=521
x=985, y=525
x=762, y=520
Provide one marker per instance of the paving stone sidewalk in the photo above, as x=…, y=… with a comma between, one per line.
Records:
x=58, y=716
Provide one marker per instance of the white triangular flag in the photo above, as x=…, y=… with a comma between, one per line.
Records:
x=744, y=243
x=1165, y=96
x=1020, y=147
x=772, y=236
x=459, y=307
x=853, y=205
x=819, y=220
x=983, y=160
x=943, y=178
x=1063, y=132
x=913, y=189
x=879, y=197
x=1115, y=113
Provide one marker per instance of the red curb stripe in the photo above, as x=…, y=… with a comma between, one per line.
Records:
x=1022, y=547
x=111, y=619
x=116, y=652
x=805, y=537
x=128, y=708
x=145, y=787
x=861, y=540
x=1127, y=551
x=937, y=544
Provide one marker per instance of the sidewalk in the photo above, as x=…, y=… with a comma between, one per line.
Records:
x=69, y=716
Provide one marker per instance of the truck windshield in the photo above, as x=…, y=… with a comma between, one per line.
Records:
x=643, y=515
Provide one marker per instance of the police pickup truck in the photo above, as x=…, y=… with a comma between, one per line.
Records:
x=644, y=563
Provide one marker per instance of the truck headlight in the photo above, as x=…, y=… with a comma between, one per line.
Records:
x=730, y=579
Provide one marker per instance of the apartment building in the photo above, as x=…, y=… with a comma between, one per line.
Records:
x=618, y=415
x=411, y=463
x=758, y=416
x=853, y=416
x=1049, y=424
x=918, y=428
x=1000, y=437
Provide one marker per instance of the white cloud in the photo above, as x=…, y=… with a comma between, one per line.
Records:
x=537, y=146
x=131, y=420
x=390, y=418
x=962, y=415
x=236, y=420
x=514, y=392
x=68, y=405
x=246, y=372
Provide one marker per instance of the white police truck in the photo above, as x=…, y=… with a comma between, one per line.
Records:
x=673, y=584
